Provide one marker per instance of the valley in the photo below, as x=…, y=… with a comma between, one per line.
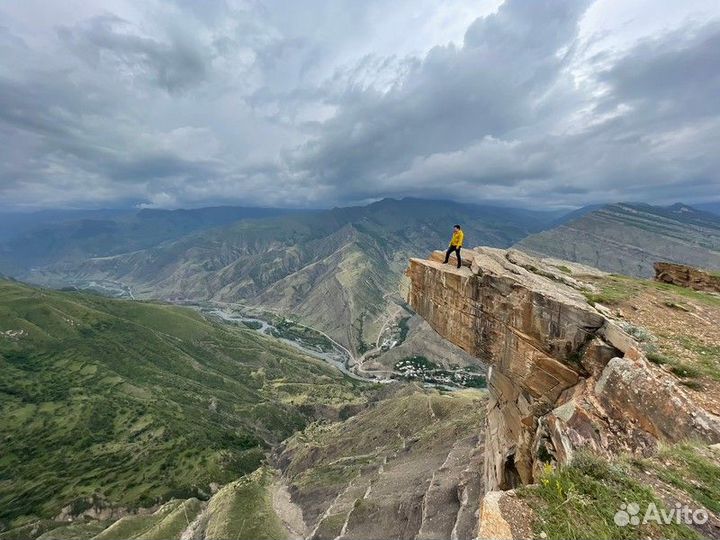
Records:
x=168, y=401
x=359, y=270
x=319, y=345
x=338, y=271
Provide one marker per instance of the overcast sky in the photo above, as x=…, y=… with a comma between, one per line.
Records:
x=315, y=103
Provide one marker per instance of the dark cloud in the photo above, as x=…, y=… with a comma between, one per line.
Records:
x=174, y=65
x=454, y=103
x=678, y=72
x=175, y=103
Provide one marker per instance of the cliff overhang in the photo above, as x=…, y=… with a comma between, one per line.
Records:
x=563, y=374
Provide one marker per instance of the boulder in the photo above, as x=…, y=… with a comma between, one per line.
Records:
x=687, y=276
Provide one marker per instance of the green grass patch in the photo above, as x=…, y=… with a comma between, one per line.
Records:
x=615, y=289
x=686, y=467
x=293, y=331
x=684, y=370
x=243, y=509
x=580, y=500
x=708, y=356
x=680, y=369
x=693, y=385
x=658, y=358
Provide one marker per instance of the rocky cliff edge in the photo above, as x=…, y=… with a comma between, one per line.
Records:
x=563, y=375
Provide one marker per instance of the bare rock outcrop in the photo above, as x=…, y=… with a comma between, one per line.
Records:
x=562, y=374
x=687, y=276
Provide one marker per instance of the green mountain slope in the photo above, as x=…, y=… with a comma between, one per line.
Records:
x=339, y=269
x=629, y=238
x=116, y=403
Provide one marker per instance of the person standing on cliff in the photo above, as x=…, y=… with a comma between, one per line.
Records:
x=455, y=244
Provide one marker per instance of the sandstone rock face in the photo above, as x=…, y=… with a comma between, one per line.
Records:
x=562, y=375
x=687, y=276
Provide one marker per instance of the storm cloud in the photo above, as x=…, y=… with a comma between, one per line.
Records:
x=554, y=103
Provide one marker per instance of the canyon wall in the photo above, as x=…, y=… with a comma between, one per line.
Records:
x=563, y=374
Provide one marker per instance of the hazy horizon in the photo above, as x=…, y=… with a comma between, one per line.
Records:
x=166, y=104
x=497, y=204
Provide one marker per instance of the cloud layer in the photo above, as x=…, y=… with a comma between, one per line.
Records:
x=177, y=103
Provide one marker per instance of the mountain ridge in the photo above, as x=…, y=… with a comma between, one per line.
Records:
x=627, y=238
x=338, y=269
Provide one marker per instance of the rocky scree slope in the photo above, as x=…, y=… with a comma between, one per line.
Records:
x=408, y=467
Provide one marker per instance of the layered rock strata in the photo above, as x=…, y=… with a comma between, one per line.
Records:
x=687, y=276
x=563, y=375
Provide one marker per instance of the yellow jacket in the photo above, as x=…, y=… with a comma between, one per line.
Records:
x=457, y=239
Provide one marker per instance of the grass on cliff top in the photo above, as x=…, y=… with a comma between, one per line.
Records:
x=580, y=501
x=707, y=366
x=615, y=289
x=691, y=468
x=131, y=403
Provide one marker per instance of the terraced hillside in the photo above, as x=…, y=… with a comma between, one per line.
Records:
x=628, y=238
x=108, y=404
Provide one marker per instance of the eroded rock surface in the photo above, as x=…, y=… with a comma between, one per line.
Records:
x=563, y=375
x=687, y=276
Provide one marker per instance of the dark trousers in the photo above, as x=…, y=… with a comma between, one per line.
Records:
x=457, y=252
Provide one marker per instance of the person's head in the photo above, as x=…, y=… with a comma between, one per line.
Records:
x=456, y=227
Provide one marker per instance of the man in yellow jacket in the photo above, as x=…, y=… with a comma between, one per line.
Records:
x=455, y=244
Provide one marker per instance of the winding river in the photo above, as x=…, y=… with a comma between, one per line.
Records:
x=339, y=358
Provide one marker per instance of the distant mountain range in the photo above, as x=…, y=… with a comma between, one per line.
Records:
x=628, y=238
x=110, y=404
x=713, y=207
x=338, y=269
x=40, y=238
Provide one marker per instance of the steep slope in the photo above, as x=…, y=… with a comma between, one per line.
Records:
x=410, y=467
x=629, y=238
x=337, y=269
x=109, y=404
x=407, y=466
